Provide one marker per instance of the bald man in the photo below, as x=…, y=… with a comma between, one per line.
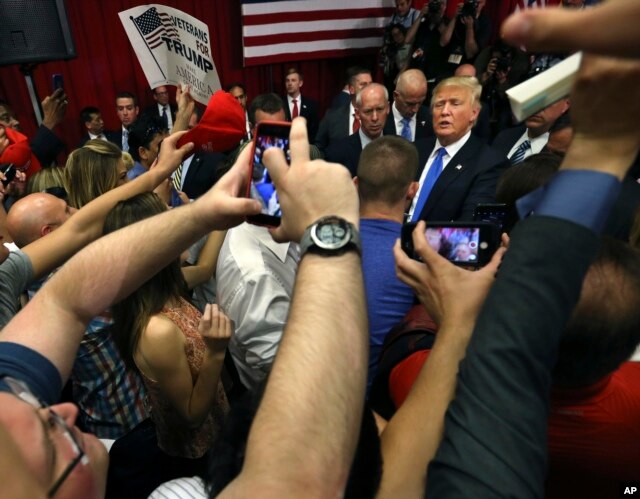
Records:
x=408, y=117
x=36, y=215
x=372, y=110
x=465, y=70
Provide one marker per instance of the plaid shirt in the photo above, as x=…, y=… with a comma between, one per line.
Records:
x=110, y=396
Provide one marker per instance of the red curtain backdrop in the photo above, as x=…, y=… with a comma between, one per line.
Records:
x=106, y=63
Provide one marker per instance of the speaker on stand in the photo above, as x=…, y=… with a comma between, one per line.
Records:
x=34, y=31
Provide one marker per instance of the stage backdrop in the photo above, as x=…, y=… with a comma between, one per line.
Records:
x=107, y=64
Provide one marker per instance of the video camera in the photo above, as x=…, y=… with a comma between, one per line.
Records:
x=469, y=8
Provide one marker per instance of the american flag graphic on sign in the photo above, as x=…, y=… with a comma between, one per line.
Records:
x=154, y=25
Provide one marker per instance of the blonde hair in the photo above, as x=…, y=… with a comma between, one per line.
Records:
x=91, y=171
x=45, y=179
x=468, y=82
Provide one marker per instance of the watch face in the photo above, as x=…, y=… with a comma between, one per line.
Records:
x=331, y=234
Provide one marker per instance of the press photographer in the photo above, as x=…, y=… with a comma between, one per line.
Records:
x=466, y=34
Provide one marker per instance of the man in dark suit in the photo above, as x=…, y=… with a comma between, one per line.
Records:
x=297, y=105
x=200, y=171
x=341, y=122
x=91, y=118
x=522, y=141
x=458, y=169
x=127, y=110
x=408, y=117
x=162, y=110
x=372, y=109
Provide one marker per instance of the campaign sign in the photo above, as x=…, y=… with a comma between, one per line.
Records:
x=173, y=48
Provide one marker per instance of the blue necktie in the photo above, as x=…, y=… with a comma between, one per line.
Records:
x=125, y=140
x=405, y=133
x=429, y=182
x=518, y=155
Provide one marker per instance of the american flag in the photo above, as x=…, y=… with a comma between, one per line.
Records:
x=289, y=30
x=154, y=25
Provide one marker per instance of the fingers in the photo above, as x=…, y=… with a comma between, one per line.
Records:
x=568, y=30
x=298, y=141
x=235, y=180
x=276, y=163
x=423, y=248
x=408, y=270
x=504, y=240
x=492, y=267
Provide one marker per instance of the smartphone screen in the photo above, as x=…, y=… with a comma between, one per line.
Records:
x=468, y=243
x=261, y=187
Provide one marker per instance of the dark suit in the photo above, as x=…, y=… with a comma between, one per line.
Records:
x=506, y=139
x=203, y=172
x=342, y=99
x=307, y=108
x=495, y=431
x=154, y=113
x=113, y=137
x=346, y=152
x=424, y=125
x=469, y=178
x=334, y=126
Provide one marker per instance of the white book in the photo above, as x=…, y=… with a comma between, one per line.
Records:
x=542, y=90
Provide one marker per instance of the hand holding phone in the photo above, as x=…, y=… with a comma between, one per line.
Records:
x=9, y=171
x=448, y=292
x=260, y=186
x=462, y=243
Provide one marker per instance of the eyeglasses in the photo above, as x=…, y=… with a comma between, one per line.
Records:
x=22, y=391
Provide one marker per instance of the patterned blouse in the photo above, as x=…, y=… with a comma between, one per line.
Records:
x=174, y=436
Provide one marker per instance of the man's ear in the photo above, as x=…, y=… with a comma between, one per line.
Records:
x=301, y=83
x=45, y=229
x=143, y=153
x=86, y=124
x=412, y=190
x=355, y=181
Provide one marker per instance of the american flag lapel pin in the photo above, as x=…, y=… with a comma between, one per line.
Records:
x=459, y=167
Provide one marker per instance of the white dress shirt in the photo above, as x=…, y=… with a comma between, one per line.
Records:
x=352, y=117
x=169, y=118
x=536, y=144
x=397, y=119
x=254, y=287
x=298, y=101
x=452, y=150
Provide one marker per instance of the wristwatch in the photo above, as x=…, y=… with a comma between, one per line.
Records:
x=330, y=236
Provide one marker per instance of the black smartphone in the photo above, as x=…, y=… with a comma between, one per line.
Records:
x=495, y=213
x=463, y=243
x=268, y=134
x=57, y=81
x=9, y=171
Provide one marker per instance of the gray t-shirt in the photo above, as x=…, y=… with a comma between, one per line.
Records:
x=15, y=273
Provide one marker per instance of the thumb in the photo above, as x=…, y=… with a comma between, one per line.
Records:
x=558, y=29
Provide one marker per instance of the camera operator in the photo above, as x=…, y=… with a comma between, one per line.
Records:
x=425, y=35
x=466, y=34
x=495, y=79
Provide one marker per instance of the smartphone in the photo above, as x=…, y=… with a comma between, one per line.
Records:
x=268, y=134
x=9, y=171
x=57, y=81
x=495, y=213
x=462, y=243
